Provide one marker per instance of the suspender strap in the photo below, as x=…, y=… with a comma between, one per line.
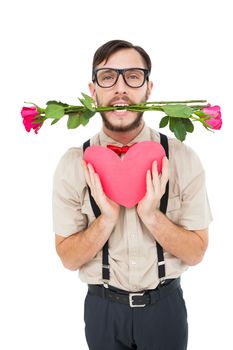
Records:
x=105, y=263
x=164, y=199
x=163, y=209
x=96, y=210
x=94, y=206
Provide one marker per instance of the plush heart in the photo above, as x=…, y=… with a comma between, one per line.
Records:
x=124, y=180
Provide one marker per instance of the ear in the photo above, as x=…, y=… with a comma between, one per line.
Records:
x=92, y=90
x=149, y=89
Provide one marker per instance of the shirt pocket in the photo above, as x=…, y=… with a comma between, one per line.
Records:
x=174, y=209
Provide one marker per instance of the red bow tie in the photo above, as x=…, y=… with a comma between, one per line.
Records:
x=119, y=150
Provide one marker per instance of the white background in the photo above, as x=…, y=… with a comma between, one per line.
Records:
x=46, y=53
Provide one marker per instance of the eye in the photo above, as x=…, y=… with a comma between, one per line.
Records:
x=135, y=75
x=106, y=75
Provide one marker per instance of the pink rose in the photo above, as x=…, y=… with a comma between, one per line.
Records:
x=215, y=112
x=29, y=114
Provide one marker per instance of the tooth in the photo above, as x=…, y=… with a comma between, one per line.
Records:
x=120, y=104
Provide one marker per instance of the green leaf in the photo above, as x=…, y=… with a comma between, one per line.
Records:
x=189, y=127
x=164, y=121
x=73, y=121
x=178, y=128
x=86, y=117
x=88, y=102
x=171, y=124
x=54, y=121
x=88, y=98
x=76, y=119
x=54, y=111
x=177, y=111
x=84, y=121
x=57, y=103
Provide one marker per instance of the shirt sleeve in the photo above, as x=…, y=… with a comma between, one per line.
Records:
x=66, y=197
x=195, y=212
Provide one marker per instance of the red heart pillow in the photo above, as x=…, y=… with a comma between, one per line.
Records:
x=124, y=180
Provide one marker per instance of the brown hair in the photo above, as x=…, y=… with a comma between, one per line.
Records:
x=106, y=50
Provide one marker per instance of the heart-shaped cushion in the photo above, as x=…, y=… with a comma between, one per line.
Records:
x=124, y=180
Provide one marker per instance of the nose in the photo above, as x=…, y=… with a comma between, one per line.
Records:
x=120, y=86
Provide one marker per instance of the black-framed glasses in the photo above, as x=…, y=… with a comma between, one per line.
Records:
x=133, y=77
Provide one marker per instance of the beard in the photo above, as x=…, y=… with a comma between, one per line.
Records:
x=133, y=125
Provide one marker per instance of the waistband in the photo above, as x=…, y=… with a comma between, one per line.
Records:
x=135, y=299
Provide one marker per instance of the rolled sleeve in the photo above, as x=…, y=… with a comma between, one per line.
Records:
x=195, y=209
x=66, y=197
x=194, y=212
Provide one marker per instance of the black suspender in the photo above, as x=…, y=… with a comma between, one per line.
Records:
x=163, y=209
x=96, y=211
x=94, y=206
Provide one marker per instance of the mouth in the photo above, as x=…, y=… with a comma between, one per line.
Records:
x=122, y=110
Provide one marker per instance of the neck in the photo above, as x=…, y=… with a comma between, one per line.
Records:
x=124, y=137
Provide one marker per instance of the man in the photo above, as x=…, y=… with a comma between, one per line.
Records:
x=131, y=259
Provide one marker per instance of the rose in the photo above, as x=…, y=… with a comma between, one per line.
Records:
x=29, y=114
x=215, y=112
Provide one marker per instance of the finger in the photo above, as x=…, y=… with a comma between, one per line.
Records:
x=155, y=177
x=155, y=167
x=86, y=173
x=98, y=185
x=91, y=172
x=165, y=173
x=149, y=184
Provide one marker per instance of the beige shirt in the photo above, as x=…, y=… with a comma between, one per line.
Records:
x=132, y=248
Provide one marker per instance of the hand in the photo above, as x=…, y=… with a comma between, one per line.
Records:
x=155, y=188
x=109, y=209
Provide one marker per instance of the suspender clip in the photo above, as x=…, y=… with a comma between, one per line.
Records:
x=105, y=284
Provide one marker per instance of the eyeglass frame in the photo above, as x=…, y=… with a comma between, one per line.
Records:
x=120, y=72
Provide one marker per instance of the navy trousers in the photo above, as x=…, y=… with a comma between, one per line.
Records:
x=110, y=325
